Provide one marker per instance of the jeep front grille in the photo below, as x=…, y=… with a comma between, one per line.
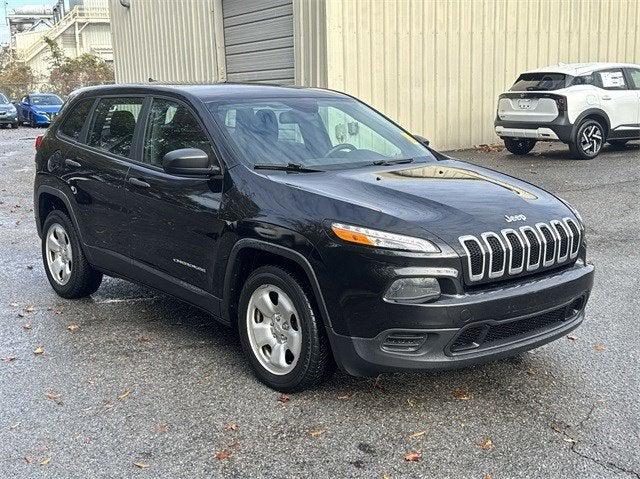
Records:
x=510, y=252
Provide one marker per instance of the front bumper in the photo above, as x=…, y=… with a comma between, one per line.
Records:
x=8, y=119
x=500, y=309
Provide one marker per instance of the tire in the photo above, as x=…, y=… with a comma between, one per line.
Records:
x=618, y=143
x=32, y=121
x=79, y=279
x=15, y=125
x=298, y=357
x=519, y=146
x=589, y=139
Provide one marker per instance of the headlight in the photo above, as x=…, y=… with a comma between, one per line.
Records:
x=12, y=109
x=382, y=239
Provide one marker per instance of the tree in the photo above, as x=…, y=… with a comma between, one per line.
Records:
x=57, y=55
x=16, y=80
x=74, y=73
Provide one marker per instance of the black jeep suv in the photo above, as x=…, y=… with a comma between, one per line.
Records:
x=319, y=228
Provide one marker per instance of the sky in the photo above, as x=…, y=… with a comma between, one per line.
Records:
x=11, y=4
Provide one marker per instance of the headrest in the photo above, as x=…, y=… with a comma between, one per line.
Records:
x=122, y=123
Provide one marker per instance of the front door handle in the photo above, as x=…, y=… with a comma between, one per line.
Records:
x=72, y=163
x=137, y=182
x=606, y=97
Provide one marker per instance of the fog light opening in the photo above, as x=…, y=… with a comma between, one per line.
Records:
x=413, y=290
x=575, y=307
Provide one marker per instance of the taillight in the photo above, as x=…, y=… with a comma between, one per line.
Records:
x=561, y=101
x=38, y=141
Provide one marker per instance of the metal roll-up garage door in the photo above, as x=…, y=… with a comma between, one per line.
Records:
x=258, y=39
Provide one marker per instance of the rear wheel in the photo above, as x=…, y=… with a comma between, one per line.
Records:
x=281, y=337
x=519, y=146
x=68, y=271
x=588, y=141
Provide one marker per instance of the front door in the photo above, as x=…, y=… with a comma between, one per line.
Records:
x=634, y=75
x=175, y=224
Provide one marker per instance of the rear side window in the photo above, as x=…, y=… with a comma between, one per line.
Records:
x=172, y=126
x=584, y=80
x=540, y=82
x=612, y=80
x=72, y=126
x=114, y=122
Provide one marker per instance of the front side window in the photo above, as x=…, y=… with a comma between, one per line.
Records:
x=114, y=122
x=72, y=126
x=329, y=132
x=172, y=126
x=540, y=81
x=635, y=77
x=49, y=100
x=612, y=80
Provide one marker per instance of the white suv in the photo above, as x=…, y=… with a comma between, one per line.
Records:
x=581, y=104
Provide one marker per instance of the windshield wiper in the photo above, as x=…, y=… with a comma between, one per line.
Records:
x=288, y=167
x=392, y=162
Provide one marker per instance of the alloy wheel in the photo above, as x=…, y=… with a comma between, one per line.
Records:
x=59, y=254
x=591, y=139
x=274, y=329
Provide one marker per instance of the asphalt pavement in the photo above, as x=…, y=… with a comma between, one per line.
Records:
x=134, y=383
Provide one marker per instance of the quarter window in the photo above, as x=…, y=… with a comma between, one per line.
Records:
x=114, y=122
x=635, y=78
x=172, y=126
x=72, y=126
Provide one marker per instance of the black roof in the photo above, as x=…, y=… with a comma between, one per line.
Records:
x=215, y=91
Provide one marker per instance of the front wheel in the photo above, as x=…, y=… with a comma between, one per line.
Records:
x=281, y=337
x=519, y=146
x=588, y=141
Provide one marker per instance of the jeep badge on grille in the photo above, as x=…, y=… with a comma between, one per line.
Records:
x=512, y=218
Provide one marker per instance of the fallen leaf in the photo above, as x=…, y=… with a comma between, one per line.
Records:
x=413, y=456
x=29, y=266
x=284, y=398
x=488, y=476
x=410, y=402
x=376, y=383
x=572, y=337
x=346, y=397
x=38, y=351
x=73, y=327
x=317, y=432
x=14, y=305
x=486, y=444
x=9, y=359
x=21, y=315
x=29, y=309
x=53, y=396
x=232, y=426
x=144, y=339
x=124, y=394
x=142, y=465
x=29, y=459
x=417, y=434
x=45, y=461
x=26, y=326
x=461, y=394
x=222, y=455
x=599, y=347
x=161, y=428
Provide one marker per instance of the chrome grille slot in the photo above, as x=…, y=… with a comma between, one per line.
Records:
x=511, y=252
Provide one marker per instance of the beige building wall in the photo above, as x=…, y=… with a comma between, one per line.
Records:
x=168, y=40
x=437, y=66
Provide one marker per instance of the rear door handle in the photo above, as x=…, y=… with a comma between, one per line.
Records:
x=72, y=163
x=606, y=97
x=137, y=182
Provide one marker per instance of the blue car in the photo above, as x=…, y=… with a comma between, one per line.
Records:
x=38, y=109
x=8, y=113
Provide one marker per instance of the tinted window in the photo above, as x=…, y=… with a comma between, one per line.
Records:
x=172, y=126
x=74, y=122
x=45, y=100
x=635, y=77
x=584, y=80
x=540, y=82
x=114, y=121
x=612, y=80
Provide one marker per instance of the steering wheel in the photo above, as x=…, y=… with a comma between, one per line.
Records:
x=339, y=147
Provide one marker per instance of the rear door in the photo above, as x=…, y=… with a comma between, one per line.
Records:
x=175, y=218
x=618, y=100
x=96, y=162
x=634, y=78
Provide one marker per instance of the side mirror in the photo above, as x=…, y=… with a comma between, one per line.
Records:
x=422, y=140
x=188, y=162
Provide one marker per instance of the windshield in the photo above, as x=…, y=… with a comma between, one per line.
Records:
x=3, y=99
x=540, y=82
x=46, y=100
x=313, y=132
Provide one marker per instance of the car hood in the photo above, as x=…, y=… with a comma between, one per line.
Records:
x=46, y=108
x=446, y=198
